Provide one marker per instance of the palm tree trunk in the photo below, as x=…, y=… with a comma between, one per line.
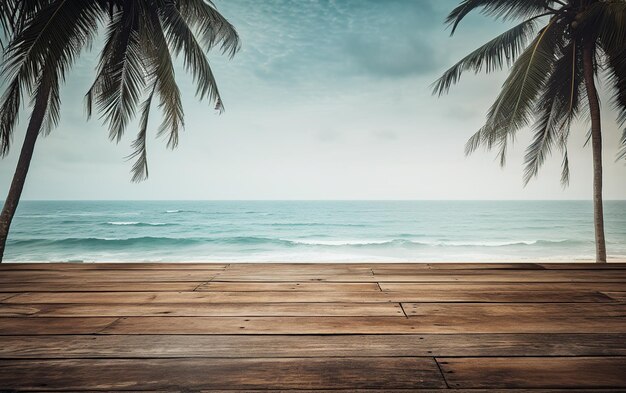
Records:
x=596, y=148
x=17, y=185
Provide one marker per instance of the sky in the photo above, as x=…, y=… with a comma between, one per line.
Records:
x=327, y=99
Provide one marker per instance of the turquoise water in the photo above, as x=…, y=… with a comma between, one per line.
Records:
x=311, y=231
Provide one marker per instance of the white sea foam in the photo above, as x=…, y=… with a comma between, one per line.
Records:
x=137, y=223
x=434, y=243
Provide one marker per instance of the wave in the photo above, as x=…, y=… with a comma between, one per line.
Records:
x=103, y=242
x=139, y=224
x=150, y=241
x=174, y=211
x=312, y=224
x=434, y=243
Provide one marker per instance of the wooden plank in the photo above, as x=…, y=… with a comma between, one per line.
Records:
x=384, y=275
x=27, y=326
x=269, y=346
x=337, y=268
x=539, y=311
x=288, y=286
x=199, y=296
x=519, y=318
x=501, y=286
x=215, y=309
x=304, y=277
x=318, y=267
x=456, y=266
x=438, y=323
x=432, y=276
x=106, y=276
x=285, y=373
x=528, y=372
x=486, y=296
x=78, y=286
x=582, y=266
x=65, y=266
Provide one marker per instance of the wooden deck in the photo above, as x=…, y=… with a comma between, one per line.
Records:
x=246, y=327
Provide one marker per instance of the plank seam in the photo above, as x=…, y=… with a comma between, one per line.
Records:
x=441, y=372
x=403, y=310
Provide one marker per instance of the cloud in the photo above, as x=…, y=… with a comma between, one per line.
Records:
x=286, y=40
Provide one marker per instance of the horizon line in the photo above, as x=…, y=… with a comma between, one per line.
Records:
x=316, y=200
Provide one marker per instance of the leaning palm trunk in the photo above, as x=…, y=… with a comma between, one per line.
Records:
x=596, y=147
x=26, y=154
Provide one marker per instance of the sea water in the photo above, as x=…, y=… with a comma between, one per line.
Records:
x=340, y=231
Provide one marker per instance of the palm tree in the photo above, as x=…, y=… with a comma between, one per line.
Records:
x=555, y=54
x=142, y=36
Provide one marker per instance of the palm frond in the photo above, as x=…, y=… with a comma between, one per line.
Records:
x=494, y=55
x=53, y=109
x=121, y=73
x=514, y=105
x=606, y=21
x=556, y=108
x=182, y=39
x=140, y=152
x=51, y=39
x=158, y=59
x=499, y=9
x=9, y=113
x=14, y=14
x=214, y=29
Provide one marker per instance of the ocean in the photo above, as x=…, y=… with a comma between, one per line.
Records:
x=299, y=231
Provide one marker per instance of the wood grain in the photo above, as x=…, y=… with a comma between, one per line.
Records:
x=427, y=327
x=529, y=372
x=23, y=326
x=218, y=286
x=204, y=310
x=439, y=323
x=200, y=296
x=502, y=286
x=267, y=346
x=78, y=286
x=277, y=373
x=11, y=276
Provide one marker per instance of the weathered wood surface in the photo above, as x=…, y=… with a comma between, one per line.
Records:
x=489, y=327
x=269, y=346
x=276, y=373
x=534, y=372
x=202, y=297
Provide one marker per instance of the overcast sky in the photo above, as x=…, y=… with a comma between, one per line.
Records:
x=327, y=99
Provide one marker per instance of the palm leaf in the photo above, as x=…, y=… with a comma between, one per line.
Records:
x=502, y=50
x=51, y=40
x=182, y=39
x=556, y=108
x=203, y=17
x=513, y=108
x=140, y=152
x=158, y=59
x=121, y=75
x=499, y=9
